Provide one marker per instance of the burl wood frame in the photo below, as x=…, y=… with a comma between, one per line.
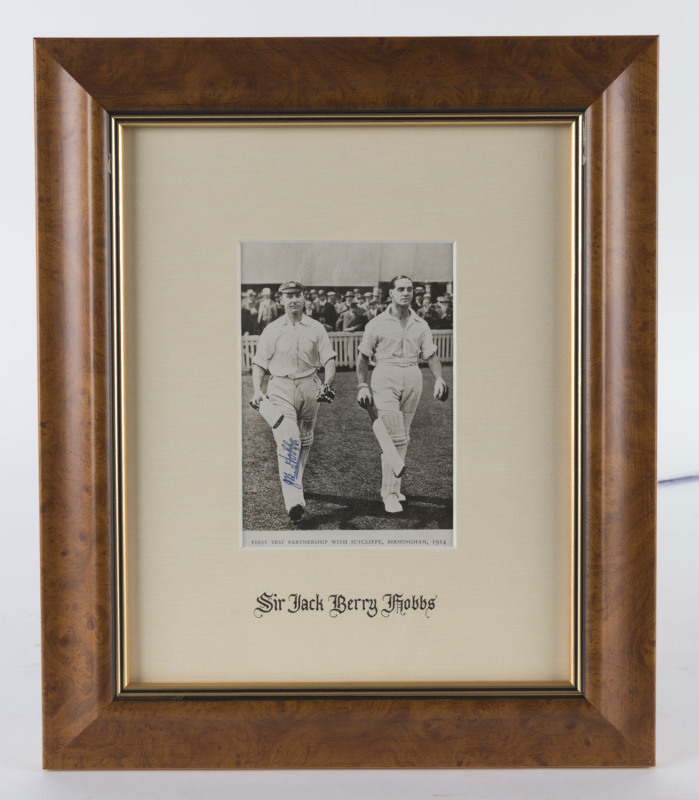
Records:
x=79, y=84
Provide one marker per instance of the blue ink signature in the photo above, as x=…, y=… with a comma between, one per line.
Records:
x=291, y=456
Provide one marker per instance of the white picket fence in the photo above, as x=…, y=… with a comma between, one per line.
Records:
x=346, y=345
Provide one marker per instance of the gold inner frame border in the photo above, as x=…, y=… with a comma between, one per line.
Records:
x=127, y=690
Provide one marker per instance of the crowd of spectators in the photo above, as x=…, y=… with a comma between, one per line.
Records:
x=343, y=311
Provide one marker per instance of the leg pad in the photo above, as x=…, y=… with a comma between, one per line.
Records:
x=393, y=421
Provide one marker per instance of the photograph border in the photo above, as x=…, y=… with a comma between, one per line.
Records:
x=79, y=85
x=344, y=364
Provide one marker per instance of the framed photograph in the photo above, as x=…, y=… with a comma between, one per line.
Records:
x=351, y=443
x=347, y=401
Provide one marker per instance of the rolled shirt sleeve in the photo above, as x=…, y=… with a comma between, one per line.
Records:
x=265, y=348
x=427, y=346
x=325, y=350
x=368, y=344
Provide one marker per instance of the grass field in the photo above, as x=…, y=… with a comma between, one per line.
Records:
x=343, y=477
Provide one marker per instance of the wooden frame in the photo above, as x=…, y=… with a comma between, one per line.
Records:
x=79, y=84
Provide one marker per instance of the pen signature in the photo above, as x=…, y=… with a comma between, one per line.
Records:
x=291, y=456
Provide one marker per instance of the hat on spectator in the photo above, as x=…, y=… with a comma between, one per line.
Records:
x=266, y=291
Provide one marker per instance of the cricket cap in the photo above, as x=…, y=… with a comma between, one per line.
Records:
x=292, y=286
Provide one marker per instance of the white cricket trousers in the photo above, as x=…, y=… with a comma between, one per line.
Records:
x=396, y=389
x=296, y=399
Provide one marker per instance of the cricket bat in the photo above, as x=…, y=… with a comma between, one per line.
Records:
x=386, y=443
x=269, y=412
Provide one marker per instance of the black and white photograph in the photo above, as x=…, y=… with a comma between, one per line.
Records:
x=347, y=352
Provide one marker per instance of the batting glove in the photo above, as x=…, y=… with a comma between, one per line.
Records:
x=326, y=394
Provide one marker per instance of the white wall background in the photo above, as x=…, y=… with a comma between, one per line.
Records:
x=677, y=22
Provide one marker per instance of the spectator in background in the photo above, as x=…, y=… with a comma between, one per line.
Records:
x=374, y=309
x=429, y=312
x=327, y=309
x=423, y=304
x=445, y=313
x=310, y=309
x=364, y=302
x=267, y=311
x=344, y=305
x=418, y=296
x=248, y=317
x=352, y=319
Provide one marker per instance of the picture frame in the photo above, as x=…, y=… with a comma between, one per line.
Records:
x=80, y=85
